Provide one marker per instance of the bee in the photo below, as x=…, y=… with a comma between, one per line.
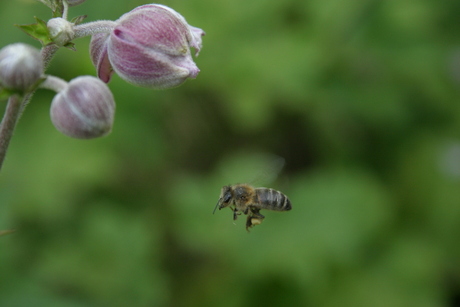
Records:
x=245, y=199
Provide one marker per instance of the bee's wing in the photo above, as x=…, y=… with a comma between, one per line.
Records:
x=269, y=172
x=254, y=169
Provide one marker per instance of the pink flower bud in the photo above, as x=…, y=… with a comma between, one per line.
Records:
x=84, y=109
x=21, y=66
x=149, y=47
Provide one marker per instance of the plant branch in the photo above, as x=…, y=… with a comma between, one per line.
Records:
x=54, y=83
x=65, y=9
x=91, y=28
x=10, y=118
x=48, y=53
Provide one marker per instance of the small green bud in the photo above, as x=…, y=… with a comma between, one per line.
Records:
x=61, y=31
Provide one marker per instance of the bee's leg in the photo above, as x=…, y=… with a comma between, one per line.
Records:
x=254, y=218
x=258, y=215
x=252, y=221
x=255, y=212
x=235, y=213
x=249, y=223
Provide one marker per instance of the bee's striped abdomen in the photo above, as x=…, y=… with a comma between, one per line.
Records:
x=272, y=200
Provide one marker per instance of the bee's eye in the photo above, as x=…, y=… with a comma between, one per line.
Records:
x=227, y=197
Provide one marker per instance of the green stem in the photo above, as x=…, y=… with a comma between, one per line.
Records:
x=10, y=118
x=48, y=53
x=65, y=10
x=91, y=28
x=54, y=83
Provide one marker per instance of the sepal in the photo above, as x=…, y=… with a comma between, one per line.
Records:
x=55, y=5
x=38, y=31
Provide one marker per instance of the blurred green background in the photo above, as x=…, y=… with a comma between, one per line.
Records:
x=360, y=97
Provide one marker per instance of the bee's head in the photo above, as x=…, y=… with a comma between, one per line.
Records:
x=224, y=199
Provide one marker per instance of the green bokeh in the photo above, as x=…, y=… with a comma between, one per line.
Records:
x=361, y=98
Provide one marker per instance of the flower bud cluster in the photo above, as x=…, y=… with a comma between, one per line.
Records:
x=149, y=46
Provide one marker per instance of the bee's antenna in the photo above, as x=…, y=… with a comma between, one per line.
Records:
x=216, y=206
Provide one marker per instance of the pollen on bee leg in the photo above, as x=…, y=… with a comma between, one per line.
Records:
x=252, y=221
x=256, y=221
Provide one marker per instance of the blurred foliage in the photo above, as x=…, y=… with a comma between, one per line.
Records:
x=361, y=98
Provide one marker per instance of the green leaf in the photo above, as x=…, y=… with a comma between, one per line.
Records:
x=59, y=10
x=55, y=5
x=48, y=3
x=78, y=20
x=70, y=46
x=38, y=31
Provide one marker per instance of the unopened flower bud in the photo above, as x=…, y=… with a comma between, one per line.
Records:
x=75, y=2
x=21, y=66
x=84, y=109
x=61, y=31
x=149, y=47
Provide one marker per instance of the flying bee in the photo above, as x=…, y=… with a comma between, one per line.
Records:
x=248, y=200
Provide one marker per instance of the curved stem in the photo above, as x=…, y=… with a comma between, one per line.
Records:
x=66, y=9
x=10, y=118
x=48, y=53
x=54, y=83
x=91, y=28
